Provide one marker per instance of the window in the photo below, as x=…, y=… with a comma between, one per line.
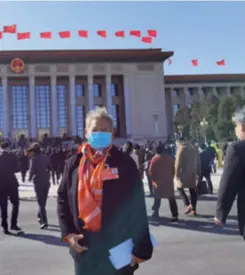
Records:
x=62, y=107
x=1, y=107
x=175, y=92
x=114, y=90
x=19, y=102
x=43, y=106
x=190, y=92
x=176, y=108
x=80, y=120
x=79, y=90
x=116, y=118
x=204, y=91
x=97, y=90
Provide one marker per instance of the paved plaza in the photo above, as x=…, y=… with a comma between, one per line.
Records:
x=26, y=189
x=194, y=246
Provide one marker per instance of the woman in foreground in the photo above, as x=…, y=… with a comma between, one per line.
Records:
x=101, y=202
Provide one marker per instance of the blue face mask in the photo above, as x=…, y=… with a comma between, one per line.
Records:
x=99, y=140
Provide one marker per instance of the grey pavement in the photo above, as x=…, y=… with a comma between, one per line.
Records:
x=194, y=246
x=27, y=191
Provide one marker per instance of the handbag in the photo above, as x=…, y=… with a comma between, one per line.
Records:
x=202, y=188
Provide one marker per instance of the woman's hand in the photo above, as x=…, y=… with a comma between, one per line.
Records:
x=136, y=260
x=73, y=240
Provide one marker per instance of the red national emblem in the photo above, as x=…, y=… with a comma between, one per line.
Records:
x=17, y=65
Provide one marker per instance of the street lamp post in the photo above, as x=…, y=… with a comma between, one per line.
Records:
x=204, y=125
x=156, y=116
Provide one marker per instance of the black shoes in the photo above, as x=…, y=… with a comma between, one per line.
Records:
x=6, y=231
x=17, y=229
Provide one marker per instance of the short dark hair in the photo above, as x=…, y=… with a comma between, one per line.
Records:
x=4, y=145
x=160, y=149
x=203, y=146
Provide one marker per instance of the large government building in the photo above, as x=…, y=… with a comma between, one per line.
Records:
x=51, y=91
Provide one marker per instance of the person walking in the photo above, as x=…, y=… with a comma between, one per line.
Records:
x=233, y=177
x=206, y=159
x=187, y=173
x=161, y=171
x=101, y=202
x=40, y=174
x=9, y=189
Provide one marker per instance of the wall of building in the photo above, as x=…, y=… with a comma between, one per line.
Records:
x=146, y=97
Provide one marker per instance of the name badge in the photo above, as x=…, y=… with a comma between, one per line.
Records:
x=110, y=174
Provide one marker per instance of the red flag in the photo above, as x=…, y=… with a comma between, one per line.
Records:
x=102, y=33
x=83, y=33
x=194, y=62
x=1, y=35
x=10, y=29
x=221, y=62
x=170, y=61
x=46, y=35
x=146, y=39
x=135, y=33
x=23, y=35
x=65, y=34
x=152, y=33
x=120, y=34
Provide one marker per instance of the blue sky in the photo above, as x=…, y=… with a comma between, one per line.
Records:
x=209, y=31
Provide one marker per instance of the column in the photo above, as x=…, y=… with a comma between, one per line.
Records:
x=6, y=128
x=90, y=89
x=228, y=91
x=214, y=91
x=32, y=102
x=55, y=120
x=72, y=108
x=108, y=91
x=127, y=105
x=200, y=93
x=185, y=97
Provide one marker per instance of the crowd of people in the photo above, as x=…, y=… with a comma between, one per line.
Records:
x=89, y=171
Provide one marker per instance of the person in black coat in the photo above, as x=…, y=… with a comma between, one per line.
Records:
x=232, y=182
x=206, y=159
x=40, y=174
x=9, y=188
x=122, y=213
x=24, y=164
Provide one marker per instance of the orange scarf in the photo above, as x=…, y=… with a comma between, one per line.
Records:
x=90, y=187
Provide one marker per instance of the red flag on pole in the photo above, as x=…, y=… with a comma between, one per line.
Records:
x=221, y=62
x=120, y=33
x=83, y=33
x=102, y=33
x=46, y=35
x=23, y=35
x=146, y=39
x=152, y=33
x=10, y=29
x=170, y=61
x=194, y=62
x=65, y=34
x=1, y=35
x=135, y=33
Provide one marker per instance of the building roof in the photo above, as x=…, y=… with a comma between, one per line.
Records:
x=200, y=78
x=93, y=56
